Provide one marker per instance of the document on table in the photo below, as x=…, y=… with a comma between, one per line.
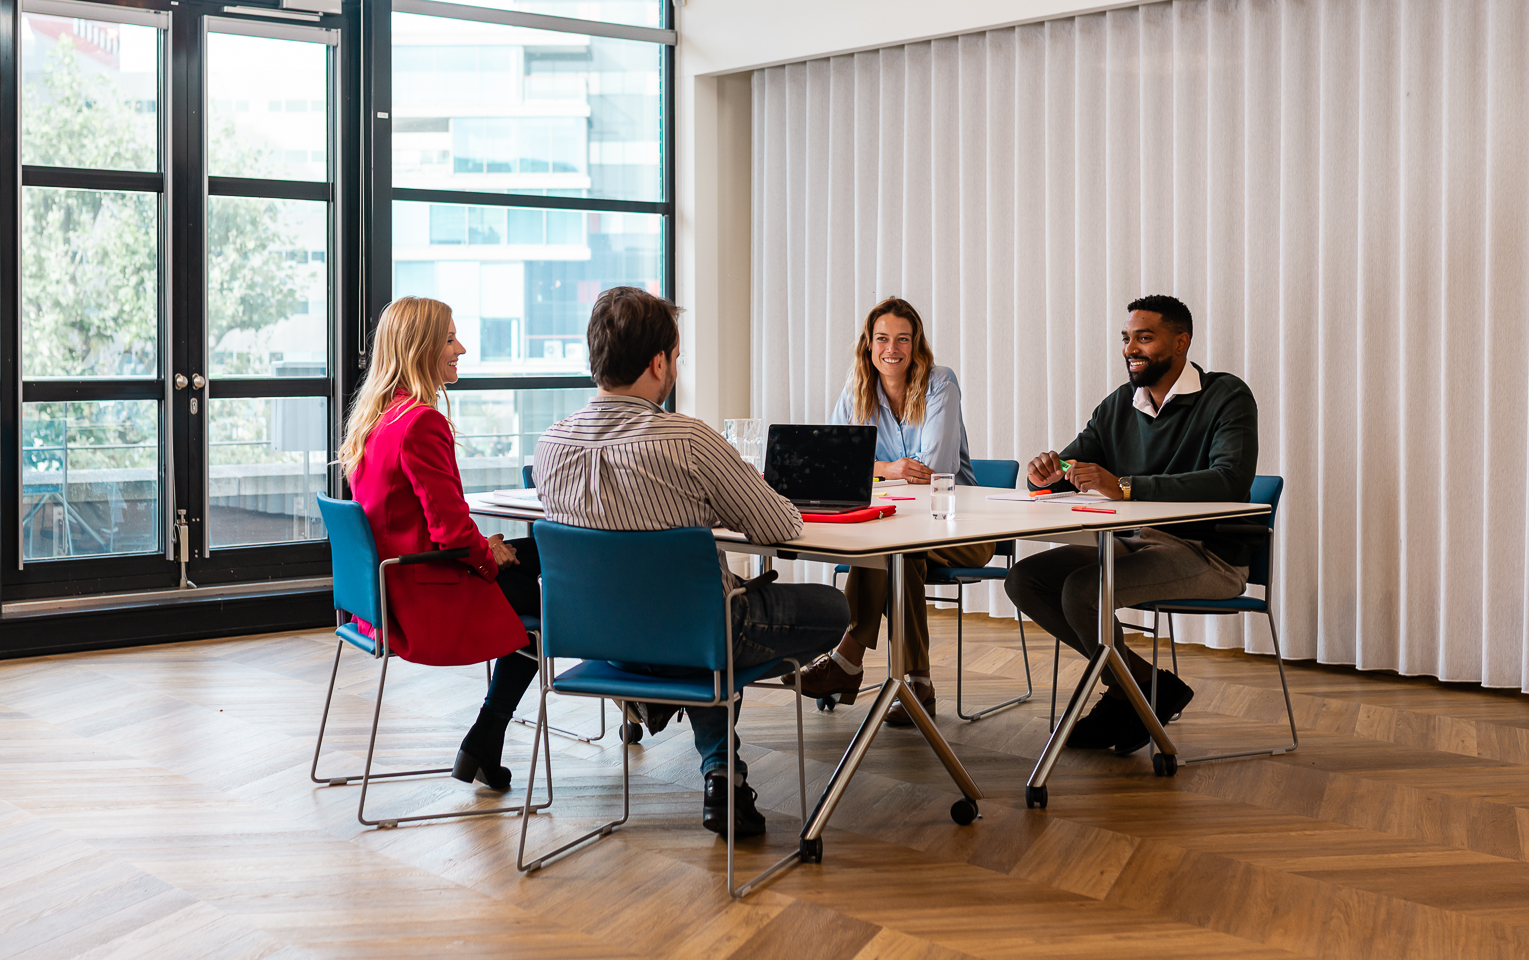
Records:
x=1068, y=498
x=515, y=498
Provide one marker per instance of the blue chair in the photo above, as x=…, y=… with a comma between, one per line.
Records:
x=990, y=473
x=526, y=480
x=648, y=597
x=1266, y=489
x=360, y=589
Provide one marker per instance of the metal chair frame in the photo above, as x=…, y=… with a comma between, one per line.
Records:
x=380, y=651
x=548, y=686
x=528, y=482
x=1169, y=608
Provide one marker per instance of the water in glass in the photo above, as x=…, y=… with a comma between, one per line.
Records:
x=942, y=496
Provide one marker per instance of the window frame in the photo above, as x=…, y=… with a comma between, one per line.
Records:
x=665, y=37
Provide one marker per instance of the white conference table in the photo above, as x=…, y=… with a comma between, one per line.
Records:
x=884, y=544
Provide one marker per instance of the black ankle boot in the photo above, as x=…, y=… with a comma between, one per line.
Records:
x=478, y=758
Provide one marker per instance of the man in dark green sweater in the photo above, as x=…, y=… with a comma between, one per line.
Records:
x=1174, y=432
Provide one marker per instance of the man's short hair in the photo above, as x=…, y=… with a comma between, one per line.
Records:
x=1173, y=311
x=627, y=329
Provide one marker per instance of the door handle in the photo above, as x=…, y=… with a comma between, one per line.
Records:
x=197, y=382
x=180, y=381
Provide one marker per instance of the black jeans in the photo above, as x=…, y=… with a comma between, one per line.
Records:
x=514, y=673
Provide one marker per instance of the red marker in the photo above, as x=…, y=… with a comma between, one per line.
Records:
x=1091, y=510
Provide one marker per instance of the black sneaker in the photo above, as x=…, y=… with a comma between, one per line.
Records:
x=1173, y=695
x=751, y=823
x=1102, y=727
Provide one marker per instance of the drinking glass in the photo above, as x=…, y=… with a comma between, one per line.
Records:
x=942, y=496
x=747, y=437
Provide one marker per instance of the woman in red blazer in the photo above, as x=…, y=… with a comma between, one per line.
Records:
x=400, y=455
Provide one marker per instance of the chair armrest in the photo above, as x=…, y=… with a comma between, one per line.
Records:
x=433, y=556
x=1256, y=530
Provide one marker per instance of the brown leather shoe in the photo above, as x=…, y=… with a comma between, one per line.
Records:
x=923, y=688
x=823, y=678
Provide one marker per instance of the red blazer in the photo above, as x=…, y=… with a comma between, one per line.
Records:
x=407, y=482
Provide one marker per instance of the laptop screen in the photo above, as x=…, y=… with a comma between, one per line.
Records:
x=821, y=463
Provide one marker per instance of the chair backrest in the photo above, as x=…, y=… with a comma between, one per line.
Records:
x=353, y=555
x=1266, y=489
x=641, y=597
x=996, y=473
x=526, y=480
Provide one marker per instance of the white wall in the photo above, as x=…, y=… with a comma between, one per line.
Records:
x=720, y=42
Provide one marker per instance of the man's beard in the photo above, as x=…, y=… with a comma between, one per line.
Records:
x=1151, y=374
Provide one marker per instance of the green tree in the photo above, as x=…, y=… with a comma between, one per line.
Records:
x=90, y=259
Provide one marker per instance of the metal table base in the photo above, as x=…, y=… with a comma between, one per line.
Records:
x=965, y=810
x=1165, y=761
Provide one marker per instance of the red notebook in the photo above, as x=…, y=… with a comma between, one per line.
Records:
x=874, y=512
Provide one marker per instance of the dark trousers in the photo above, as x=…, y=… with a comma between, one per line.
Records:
x=514, y=673
x=1059, y=589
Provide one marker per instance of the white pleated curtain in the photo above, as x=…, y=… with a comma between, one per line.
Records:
x=1338, y=191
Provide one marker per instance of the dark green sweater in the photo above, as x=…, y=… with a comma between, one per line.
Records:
x=1200, y=446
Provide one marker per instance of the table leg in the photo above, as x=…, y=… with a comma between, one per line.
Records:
x=885, y=697
x=1106, y=654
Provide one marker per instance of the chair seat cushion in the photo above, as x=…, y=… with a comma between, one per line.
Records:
x=944, y=576
x=601, y=678
x=1234, y=605
x=352, y=635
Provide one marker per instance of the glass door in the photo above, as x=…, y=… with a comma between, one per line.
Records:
x=269, y=281
x=177, y=297
x=93, y=309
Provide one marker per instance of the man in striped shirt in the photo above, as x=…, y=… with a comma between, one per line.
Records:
x=624, y=463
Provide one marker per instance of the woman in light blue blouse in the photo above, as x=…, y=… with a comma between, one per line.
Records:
x=916, y=408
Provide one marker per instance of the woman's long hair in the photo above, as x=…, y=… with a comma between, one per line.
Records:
x=864, y=381
x=406, y=354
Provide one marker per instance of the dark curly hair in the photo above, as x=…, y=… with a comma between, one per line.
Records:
x=1173, y=311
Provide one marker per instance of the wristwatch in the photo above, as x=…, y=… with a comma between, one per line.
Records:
x=1125, y=487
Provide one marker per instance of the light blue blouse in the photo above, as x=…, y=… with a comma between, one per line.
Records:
x=939, y=443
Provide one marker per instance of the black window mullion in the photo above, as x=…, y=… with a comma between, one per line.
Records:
x=579, y=204
x=72, y=178
x=189, y=272
x=70, y=391
x=268, y=189
x=522, y=383
x=225, y=388
x=10, y=297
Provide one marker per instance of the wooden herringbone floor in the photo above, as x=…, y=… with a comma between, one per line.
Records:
x=155, y=803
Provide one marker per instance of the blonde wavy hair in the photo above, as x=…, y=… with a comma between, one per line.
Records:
x=863, y=378
x=406, y=353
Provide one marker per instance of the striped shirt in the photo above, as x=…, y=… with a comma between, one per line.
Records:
x=624, y=463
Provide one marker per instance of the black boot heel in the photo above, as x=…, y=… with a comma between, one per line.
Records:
x=467, y=769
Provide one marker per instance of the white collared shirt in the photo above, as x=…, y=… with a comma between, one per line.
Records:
x=1188, y=382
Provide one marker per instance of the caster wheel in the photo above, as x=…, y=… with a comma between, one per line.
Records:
x=811, y=851
x=631, y=732
x=1165, y=765
x=1035, y=797
x=963, y=811
x=827, y=704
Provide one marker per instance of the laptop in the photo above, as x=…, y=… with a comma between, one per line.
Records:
x=821, y=468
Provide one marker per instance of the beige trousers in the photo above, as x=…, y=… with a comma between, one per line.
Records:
x=867, y=593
